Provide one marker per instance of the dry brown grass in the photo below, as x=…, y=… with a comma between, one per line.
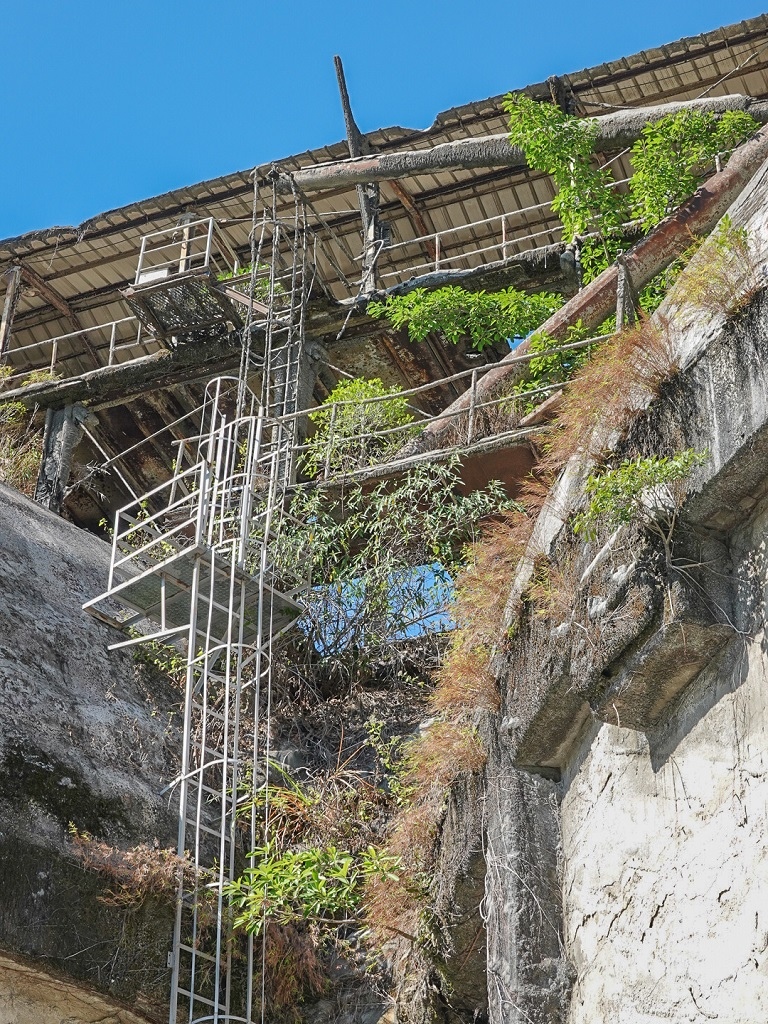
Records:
x=293, y=971
x=394, y=908
x=444, y=752
x=465, y=682
x=608, y=392
x=551, y=589
x=134, y=875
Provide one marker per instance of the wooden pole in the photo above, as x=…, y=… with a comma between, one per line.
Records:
x=367, y=192
x=615, y=132
x=13, y=277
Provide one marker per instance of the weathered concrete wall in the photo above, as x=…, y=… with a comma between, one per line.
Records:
x=665, y=857
x=85, y=737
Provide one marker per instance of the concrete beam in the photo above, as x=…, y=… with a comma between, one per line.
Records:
x=63, y=433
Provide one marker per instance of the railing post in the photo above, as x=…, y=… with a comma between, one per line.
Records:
x=112, y=343
x=504, y=236
x=626, y=301
x=472, y=400
x=437, y=250
x=327, y=467
x=208, y=243
x=54, y=353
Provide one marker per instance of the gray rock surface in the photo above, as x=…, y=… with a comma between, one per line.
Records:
x=87, y=737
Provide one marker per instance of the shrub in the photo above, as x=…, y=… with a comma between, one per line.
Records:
x=320, y=884
x=348, y=427
x=483, y=317
x=645, y=490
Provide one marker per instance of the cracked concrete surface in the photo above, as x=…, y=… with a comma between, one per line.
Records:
x=666, y=857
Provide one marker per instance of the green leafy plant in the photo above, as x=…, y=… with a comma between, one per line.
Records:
x=550, y=365
x=347, y=425
x=644, y=490
x=40, y=377
x=563, y=145
x=261, y=284
x=673, y=154
x=483, y=317
x=319, y=884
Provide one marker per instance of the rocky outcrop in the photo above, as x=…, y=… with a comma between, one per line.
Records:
x=86, y=737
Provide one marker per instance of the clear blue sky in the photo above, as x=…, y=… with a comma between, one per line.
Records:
x=109, y=102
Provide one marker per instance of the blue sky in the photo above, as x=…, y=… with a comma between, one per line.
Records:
x=109, y=102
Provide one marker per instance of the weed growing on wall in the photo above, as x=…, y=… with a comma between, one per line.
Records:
x=726, y=273
x=646, y=490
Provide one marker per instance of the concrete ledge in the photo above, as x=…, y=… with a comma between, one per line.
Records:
x=653, y=677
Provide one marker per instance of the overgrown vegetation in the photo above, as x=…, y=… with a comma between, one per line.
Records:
x=134, y=875
x=353, y=411
x=483, y=317
x=381, y=563
x=643, y=490
x=20, y=446
x=670, y=159
x=397, y=565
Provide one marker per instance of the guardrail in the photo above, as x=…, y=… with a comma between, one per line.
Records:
x=110, y=339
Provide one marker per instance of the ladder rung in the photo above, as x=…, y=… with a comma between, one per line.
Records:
x=196, y=952
x=205, y=828
x=202, y=999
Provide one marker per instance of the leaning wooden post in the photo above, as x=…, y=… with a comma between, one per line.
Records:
x=367, y=192
x=13, y=276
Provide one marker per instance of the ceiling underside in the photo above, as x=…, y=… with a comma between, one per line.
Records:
x=88, y=265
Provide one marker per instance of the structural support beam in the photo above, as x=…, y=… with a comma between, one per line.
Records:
x=46, y=291
x=112, y=385
x=63, y=433
x=697, y=216
x=415, y=217
x=13, y=277
x=615, y=131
